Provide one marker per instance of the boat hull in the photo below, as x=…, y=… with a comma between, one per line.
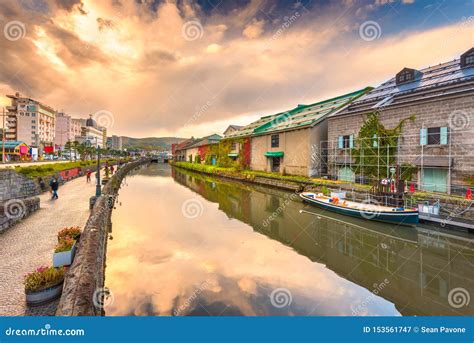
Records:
x=397, y=218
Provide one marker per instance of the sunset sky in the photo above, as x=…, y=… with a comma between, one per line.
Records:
x=182, y=68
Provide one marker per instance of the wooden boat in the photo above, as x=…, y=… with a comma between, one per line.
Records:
x=387, y=214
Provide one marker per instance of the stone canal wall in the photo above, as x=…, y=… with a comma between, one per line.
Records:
x=455, y=207
x=18, y=198
x=84, y=282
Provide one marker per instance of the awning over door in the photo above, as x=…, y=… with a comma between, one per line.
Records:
x=274, y=154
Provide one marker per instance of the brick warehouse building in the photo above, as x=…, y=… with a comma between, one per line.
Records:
x=439, y=142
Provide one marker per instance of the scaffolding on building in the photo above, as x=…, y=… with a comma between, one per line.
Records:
x=375, y=161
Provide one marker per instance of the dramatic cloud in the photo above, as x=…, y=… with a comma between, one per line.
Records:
x=189, y=68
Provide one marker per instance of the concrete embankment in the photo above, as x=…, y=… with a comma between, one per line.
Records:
x=18, y=198
x=456, y=206
x=84, y=282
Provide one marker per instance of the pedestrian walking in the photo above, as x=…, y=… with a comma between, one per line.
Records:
x=112, y=169
x=88, y=175
x=54, y=184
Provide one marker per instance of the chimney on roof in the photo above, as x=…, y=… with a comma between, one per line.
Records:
x=467, y=59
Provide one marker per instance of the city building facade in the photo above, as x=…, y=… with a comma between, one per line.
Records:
x=116, y=143
x=30, y=121
x=287, y=143
x=67, y=129
x=437, y=141
x=199, y=151
x=92, y=134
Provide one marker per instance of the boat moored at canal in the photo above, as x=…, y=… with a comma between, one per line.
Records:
x=387, y=214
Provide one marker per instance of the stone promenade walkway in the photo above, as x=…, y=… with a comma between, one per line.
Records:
x=31, y=242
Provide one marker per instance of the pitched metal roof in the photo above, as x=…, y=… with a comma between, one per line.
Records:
x=428, y=82
x=247, y=130
x=185, y=144
x=308, y=115
x=211, y=139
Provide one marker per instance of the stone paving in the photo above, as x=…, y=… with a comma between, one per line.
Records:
x=31, y=242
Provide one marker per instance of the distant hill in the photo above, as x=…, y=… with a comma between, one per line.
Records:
x=150, y=143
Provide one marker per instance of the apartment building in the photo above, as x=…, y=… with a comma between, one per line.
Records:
x=66, y=130
x=30, y=121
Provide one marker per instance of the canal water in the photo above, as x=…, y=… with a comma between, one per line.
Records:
x=189, y=244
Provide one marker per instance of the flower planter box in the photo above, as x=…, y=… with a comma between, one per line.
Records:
x=64, y=258
x=45, y=295
x=77, y=239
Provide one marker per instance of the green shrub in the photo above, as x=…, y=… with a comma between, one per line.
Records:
x=43, y=278
x=65, y=244
x=325, y=190
x=73, y=232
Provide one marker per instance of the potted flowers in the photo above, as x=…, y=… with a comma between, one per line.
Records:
x=43, y=285
x=73, y=232
x=64, y=252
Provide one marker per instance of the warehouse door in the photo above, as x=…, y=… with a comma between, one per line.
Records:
x=346, y=174
x=434, y=180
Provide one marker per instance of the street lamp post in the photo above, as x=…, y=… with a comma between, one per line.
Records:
x=3, y=137
x=98, y=191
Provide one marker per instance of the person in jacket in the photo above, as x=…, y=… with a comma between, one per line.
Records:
x=54, y=185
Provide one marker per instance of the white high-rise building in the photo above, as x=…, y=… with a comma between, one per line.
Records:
x=30, y=121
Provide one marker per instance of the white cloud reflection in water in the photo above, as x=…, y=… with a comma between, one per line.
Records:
x=162, y=263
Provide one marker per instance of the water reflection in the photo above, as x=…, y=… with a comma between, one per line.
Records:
x=249, y=251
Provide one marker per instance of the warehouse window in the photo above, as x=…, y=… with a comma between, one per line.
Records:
x=345, y=142
x=434, y=136
x=467, y=59
x=275, y=141
x=405, y=75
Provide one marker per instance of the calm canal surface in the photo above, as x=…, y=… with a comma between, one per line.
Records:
x=189, y=244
